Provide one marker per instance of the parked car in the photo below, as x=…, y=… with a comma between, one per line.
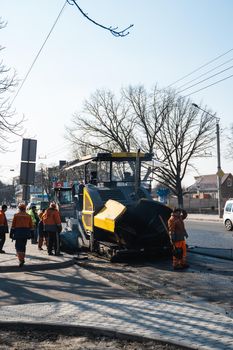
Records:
x=228, y=214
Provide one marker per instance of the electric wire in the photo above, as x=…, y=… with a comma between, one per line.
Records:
x=38, y=54
x=203, y=74
x=199, y=68
x=201, y=81
x=205, y=87
x=56, y=151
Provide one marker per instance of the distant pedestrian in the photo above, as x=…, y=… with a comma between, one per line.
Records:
x=21, y=231
x=43, y=235
x=178, y=234
x=35, y=220
x=3, y=227
x=52, y=225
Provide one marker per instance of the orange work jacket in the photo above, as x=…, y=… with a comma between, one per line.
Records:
x=52, y=220
x=3, y=222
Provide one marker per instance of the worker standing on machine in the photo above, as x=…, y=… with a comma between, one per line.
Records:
x=178, y=234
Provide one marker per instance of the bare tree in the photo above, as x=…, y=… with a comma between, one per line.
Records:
x=158, y=122
x=7, y=124
x=186, y=134
x=106, y=124
x=6, y=193
x=150, y=110
x=229, y=150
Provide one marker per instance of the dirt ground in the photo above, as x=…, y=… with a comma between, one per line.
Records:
x=31, y=339
x=208, y=280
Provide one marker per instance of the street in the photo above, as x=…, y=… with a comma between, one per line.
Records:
x=208, y=235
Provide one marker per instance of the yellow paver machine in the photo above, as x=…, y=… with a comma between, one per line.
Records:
x=116, y=214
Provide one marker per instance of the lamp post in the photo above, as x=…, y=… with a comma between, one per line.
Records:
x=219, y=170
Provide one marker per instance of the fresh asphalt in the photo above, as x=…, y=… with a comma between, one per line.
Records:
x=209, y=250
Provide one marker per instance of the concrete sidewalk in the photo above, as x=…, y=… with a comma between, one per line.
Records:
x=34, y=258
x=204, y=217
x=178, y=323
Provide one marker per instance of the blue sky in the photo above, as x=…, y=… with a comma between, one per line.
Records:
x=170, y=38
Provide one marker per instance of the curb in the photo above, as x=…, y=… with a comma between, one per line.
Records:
x=191, y=250
x=92, y=330
x=205, y=219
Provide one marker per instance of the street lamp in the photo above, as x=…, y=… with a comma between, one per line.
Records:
x=219, y=170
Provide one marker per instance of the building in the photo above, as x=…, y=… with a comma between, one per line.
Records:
x=205, y=186
x=35, y=190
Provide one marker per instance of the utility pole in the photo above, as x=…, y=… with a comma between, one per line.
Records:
x=42, y=182
x=219, y=170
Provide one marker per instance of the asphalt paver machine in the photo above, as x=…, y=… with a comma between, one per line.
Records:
x=116, y=214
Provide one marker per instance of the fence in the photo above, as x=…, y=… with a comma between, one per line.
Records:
x=197, y=205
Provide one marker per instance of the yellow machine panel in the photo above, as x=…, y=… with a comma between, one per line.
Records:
x=107, y=217
x=87, y=212
x=127, y=155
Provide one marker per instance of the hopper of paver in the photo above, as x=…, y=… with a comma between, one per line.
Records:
x=140, y=227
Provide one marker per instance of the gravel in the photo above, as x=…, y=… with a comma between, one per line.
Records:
x=28, y=338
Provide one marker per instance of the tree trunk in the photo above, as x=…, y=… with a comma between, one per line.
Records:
x=180, y=195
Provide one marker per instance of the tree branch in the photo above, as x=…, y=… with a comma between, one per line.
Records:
x=113, y=31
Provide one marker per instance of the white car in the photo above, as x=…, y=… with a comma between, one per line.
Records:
x=228, y=214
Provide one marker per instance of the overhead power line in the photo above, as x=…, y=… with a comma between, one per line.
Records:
x=199, y=68
x=56, y=150
x=203, y=74
x=38, y=54
x=205, y=87
x=199, y=82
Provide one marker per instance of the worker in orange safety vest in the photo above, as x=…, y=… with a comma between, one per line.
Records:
x=52, y=225
x=178, y=234
x=21, y=231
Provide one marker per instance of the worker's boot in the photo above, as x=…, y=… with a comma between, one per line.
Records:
x=184, y=263
x=40, y=243
x=21, y=256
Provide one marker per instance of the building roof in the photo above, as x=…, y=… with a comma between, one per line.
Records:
x=207, y=182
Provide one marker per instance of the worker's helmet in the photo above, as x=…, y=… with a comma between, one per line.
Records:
x=4, y=207
x=53, y=205
x=177, y=210
x=22, y=206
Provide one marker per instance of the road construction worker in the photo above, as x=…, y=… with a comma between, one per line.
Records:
x=21, y=231
x=52, y=225
x=43, y=235
x=3, y=227
x=177, y=233
x=35, y=220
